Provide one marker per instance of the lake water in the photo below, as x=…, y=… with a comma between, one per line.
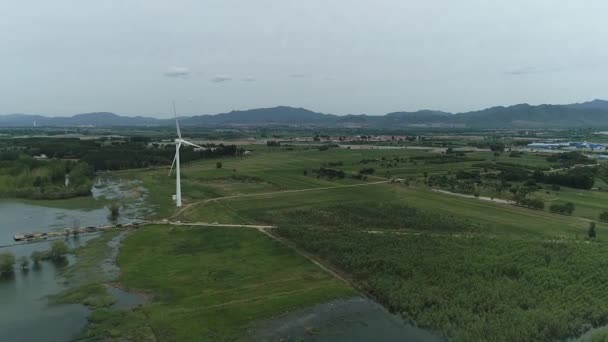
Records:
x=24, y=311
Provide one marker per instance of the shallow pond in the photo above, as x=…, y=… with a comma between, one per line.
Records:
x=23, y=302
x=352, y=320
x=124, y=300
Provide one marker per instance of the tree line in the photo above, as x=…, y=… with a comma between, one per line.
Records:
x=112, y=154
x=56, y=253
x=26, y=177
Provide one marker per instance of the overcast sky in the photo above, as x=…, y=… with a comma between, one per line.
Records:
x=133, y=57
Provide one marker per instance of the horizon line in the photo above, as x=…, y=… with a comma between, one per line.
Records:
x=294, y=107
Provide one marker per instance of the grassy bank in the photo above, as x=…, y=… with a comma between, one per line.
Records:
x=86, y=278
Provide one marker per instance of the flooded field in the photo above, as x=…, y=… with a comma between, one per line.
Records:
x=24, y=303
x=23, y=296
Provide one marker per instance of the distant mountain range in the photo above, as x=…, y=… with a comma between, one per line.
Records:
x=587, y=114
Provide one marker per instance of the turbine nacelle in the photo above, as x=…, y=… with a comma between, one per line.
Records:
x=178, y=144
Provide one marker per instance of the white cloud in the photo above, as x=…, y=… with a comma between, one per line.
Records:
x=221, y=78
x=531, y=70
x=176, y=71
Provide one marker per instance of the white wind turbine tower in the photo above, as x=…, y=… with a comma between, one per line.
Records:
x=178, y=143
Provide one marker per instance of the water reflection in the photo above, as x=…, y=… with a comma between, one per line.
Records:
x=23, y=305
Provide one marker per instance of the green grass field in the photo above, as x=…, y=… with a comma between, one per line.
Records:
x=210, y=284
x=588, y=203
x=270, y=181
x=494, y=218
x=267, y=170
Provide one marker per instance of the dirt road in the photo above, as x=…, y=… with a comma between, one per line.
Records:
x=496, y=200
x=189, y=206
x=207, y=224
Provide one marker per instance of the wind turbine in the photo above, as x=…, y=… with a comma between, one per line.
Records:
x=178, y=143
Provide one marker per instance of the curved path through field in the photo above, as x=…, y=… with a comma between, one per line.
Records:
x=501, y=201
x=265, y=229
x=496, y=200
x=189, y=206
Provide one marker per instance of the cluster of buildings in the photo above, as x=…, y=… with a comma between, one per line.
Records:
x=356, y=138
x=567, y=145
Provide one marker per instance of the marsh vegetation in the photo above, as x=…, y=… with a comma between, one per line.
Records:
x=470, y=287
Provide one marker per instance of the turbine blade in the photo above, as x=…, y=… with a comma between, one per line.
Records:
x=172, y=164
x=191, y=144
x=175, y=158
x=179, y=133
